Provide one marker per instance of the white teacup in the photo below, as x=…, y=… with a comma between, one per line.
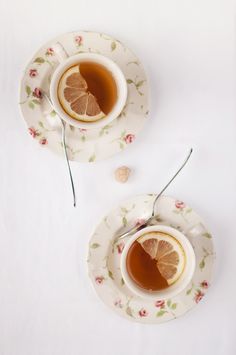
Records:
x=65, y=63
x=184, y=278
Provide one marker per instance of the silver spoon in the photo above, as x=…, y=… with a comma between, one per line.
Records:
x=64, y=147
x=147, y=223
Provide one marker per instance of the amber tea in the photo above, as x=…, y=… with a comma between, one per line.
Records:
x=87, y=91
x=155, y=261
x=143, y=269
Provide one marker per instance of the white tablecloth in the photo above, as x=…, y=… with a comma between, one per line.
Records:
x=47, y=304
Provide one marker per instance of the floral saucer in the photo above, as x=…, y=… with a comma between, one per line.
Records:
x=104, y=259
x=93, y=144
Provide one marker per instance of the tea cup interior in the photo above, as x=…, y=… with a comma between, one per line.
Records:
x=118, y=77
x=180, y=284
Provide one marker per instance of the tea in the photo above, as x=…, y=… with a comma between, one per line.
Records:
x=87, y=91
x=101, y=84
x=143, y=269
x=155, y=261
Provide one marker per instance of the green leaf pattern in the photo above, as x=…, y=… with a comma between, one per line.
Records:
x=207, y=235
x=167, y=308
x=39, y=60
x=95, y=245
x=161, y=313
x=113, y=46
x=124, y=212
x=92, y=158
x=124, y=221
x=129, y=311
x=31, y=100
x=206, y=254
x=28, y=90
x=137, y=83
x=31, y=105
x=110, y=274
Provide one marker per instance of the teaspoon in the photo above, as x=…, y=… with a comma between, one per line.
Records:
x=148, y=222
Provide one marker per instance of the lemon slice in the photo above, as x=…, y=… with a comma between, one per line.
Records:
x=168, y=253
x=75, y=97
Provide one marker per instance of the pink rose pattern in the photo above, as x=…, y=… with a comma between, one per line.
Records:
x=118, y=303
x=160, y=304
x=33, y=132
x=82, y=130
x=49, y=51
x=129, y=138
x=33, y=73
x=204, y=284
x=78, y=40
x=198, y=296
x=37, y=93
x=180, y=204
x=43, y=141
x=143, y=312
x=120, y=247
x=99, y=280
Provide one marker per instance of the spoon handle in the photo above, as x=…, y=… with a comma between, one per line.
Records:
x=67, y=160
x=137, y=228
x=130, y=232
x=165, y=187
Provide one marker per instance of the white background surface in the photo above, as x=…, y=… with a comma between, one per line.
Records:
x=47, y=304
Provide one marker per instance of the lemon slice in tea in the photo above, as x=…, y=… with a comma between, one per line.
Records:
x=168, y=253
x=75, y=97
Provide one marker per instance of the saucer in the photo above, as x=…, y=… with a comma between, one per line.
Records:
x=104, y=259
x=83, y=145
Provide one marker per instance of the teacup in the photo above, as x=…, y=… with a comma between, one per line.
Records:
x=67, y=62
x=184, y=279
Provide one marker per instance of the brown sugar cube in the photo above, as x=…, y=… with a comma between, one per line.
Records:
x=122, y=174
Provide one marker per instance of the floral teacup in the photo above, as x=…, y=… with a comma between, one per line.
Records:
x=65, y=63
x=179, y=285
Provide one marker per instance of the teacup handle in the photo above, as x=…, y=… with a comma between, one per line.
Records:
x=60, y=52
